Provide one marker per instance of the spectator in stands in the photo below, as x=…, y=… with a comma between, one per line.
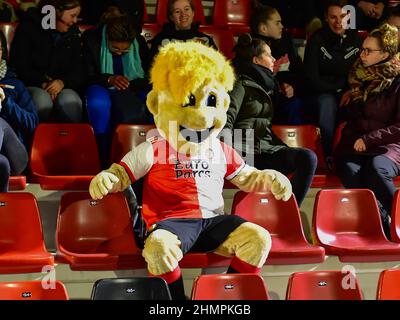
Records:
x=17, y=107
x=18, y=120
x=297, y=14
x=116, y=62
x=180, y=27
x=368, y=154
x=394, y=19
x=329, y=55
x=266, y=24
x=252, y=107
x=369, y=13
x=49, y=61
x=92, y=10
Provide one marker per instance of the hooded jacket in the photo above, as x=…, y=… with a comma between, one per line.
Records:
x=252, y=107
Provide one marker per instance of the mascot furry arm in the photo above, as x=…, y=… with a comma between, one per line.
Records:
x=190, y=85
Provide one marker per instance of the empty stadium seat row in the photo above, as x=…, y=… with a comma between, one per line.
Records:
x=98, y=234
x=309, y=285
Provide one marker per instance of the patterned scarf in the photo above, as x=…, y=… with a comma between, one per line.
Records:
x=3, y=69
x=374, y=79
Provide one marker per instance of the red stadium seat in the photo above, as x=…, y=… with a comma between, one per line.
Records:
x=347, y=224
x=149, y=31
x=282, y=220
x=8, y=29
x=96, y=235
x=16, y=183
x=240, y=286
x=323, y=285
x=223, y=39
x=22, y=249
x=85, y=27
x=308, y=136
x=395, y=224
x=33, y=290
x=231, y=13
x=162, y=12
x=388, y=285
x=64, y=156
x=128, y=136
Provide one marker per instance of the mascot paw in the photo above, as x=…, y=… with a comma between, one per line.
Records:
x=102, y=184
x=281, y=187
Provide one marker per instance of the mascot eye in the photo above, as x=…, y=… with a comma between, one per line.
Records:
x=192, y=101
x=212, y=101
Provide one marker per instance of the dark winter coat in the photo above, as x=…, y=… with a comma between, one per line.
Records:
x=18, y=109
x=251, y=107
x=328, y=60
x=39, y=55
x=377, y=122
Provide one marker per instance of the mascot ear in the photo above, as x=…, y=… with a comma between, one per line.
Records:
x=152, y=102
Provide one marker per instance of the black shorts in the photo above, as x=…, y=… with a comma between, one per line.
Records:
x=201, y=235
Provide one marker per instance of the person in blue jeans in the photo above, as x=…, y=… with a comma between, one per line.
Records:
x=116, y=62
x=329, y=55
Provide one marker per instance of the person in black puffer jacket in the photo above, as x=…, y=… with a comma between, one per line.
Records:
x=252, y=107
x=49, y=61
x=329, y=55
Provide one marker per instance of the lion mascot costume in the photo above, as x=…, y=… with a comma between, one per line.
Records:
x=184, y=168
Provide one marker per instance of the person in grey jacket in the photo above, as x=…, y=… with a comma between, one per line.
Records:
x=252, y=107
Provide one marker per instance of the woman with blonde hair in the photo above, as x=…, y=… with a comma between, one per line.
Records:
x=368, y=154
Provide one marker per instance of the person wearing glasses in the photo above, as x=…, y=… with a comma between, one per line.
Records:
x=49, y=61
x=180, y=27
x=368, y=154
x=253, y=100
x=116, y=66
x=329, y=55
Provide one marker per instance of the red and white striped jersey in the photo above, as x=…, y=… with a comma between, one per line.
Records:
x=181, y=186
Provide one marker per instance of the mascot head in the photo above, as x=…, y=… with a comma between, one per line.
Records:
x=189, y=97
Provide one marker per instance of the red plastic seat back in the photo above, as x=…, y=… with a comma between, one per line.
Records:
x=162, y=12
x=128, y=136
x=8, y=29
x=33, y=290
x=64, y=149
x=20, y=225
x=229, y=287
x=323, y=285
x=280, y=218
x=223, y=39
x=395, y=225
x=231, y=12
x=346, y=211
x=303, y=136
x=87, y=226
x=388, y=285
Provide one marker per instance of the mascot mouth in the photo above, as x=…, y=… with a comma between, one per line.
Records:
x=195, y=136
